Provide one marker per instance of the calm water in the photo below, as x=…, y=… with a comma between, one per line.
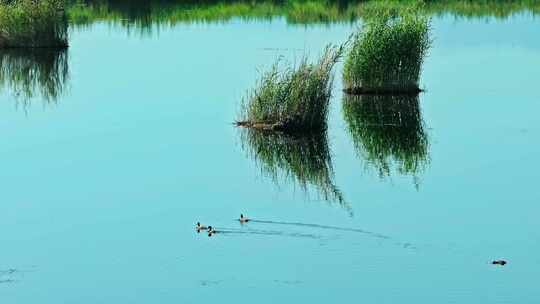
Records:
x=103, y=181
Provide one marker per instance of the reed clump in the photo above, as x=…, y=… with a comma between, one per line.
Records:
x=386, y=55
x=33, y=24
x=292, y=99
x=388, y=132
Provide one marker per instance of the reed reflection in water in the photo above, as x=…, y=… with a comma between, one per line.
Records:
x=388, y=132
x=34, y=73
x=303, y=159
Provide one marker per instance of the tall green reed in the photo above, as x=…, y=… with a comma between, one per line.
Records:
x=292, y=98
x=32, y=24
x=386, y=56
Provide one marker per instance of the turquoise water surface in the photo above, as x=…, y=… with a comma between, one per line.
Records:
x=104, y=179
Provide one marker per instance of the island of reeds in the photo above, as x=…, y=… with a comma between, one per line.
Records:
x=388, y=132
x=386, y=56
x=292, y=99
x=304, y=159
x=34, y=72
x=33, y=24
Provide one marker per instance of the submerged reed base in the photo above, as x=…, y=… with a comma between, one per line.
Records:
x=395, y=90
x=292, y=99
x=264, y=126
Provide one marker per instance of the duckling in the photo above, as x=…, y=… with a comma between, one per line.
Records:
x=243, y=219
x=211, y=231
x=499, y=262
x=200, y=227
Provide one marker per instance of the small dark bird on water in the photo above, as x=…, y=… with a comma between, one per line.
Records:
x=200, y=227
x=211, y=231
x=499, y=262
x=243, y=219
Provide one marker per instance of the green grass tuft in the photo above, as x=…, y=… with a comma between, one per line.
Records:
x=292, y=98
x=386, y=55
x=32, y=24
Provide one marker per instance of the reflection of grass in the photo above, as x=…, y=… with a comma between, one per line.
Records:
x=143, y=14
x=295, y=99
x=388, y=131
x=387, y=55
x=30, y=23
x=304, y=159
x=31, y=72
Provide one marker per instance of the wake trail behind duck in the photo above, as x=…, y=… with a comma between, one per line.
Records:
x=374, y=234
x=232, y=231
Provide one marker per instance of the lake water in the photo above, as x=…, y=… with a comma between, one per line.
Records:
x=103, y=182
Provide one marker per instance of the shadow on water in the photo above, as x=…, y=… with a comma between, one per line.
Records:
x=388, y=133
x=303, y=159
x=32, y=73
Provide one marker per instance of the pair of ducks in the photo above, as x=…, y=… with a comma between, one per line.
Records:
x=211, y=229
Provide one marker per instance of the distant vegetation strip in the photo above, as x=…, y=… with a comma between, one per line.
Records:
x=147, y=13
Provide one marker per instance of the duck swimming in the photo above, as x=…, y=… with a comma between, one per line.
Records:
x=211, y=231
x=499, y=262
x=200, y=227
x=243, y=219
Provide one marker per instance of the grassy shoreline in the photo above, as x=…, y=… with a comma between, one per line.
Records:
x=168, y=13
